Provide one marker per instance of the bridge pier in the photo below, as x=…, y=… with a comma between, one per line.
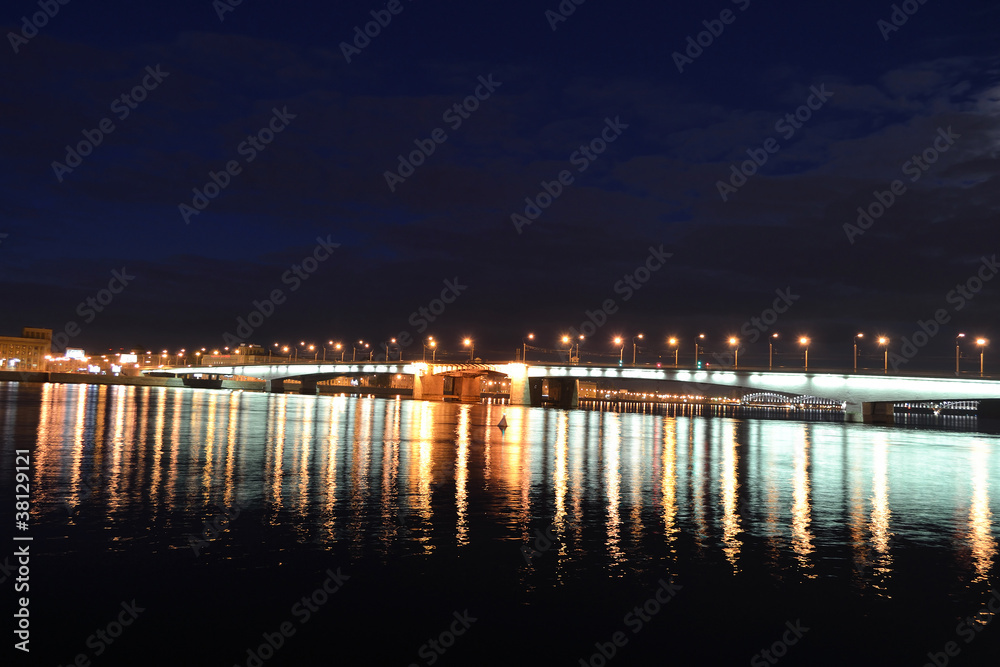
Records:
x=307, y=387
x=274, y=386
x=879, y=413
x=428, y=387
x=565, y=392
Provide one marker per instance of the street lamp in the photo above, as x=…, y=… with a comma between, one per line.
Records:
x=566, y=341
x=961, y=335
x=770, y=351
x=672, y=342
x=469, y=343
x=883, y=341
x=634, y=347
x=524, y=346
x=434, y=350
x=621, y=352
x=981, y=342
x=338, y=346
x=696, y=346
x=860, y=335
x=805, y=341
x=312, y=348
x=736, y=346
x=362, y=344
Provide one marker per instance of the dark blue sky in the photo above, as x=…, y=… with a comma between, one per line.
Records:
x=324, y=174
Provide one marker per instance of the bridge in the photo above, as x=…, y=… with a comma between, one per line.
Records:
x=865, y=397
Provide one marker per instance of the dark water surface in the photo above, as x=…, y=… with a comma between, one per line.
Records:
x=689, y=540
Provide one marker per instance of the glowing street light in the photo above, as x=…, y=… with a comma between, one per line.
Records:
x=672, y=342
x=696, y=346
x=469, y=343
x=860, y=335
x=360, y=345
x=883, y=341
x=429, y=343
x=634, y=347
x=981, y=342
x=957, y=338
x=524, y=347
x=619, y=341
x=805, y=342
x=770, y=351
x=736, y=347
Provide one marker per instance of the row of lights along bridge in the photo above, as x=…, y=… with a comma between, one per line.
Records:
x=430, y=344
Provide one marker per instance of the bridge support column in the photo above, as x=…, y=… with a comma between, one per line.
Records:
x=274, y=386
x=519, y=392
x=565, y=392
x=428, y=387
x=469, y=389
x=878, y=413
x=988, y=414
x=308, y=387
x=854, y=413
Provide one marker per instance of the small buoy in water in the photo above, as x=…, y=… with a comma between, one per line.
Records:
x=503, y=423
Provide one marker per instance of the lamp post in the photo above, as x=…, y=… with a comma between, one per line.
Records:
x=672, y=342
x=957, y=338
x=393, y=341
x=312, y=348
x=471, y=344
x=884, y=342
x=805, y=341
x=621, y=352
x=429, y=343
x=696, y=346
x=860, y=335
x=770, y=351
x=981, y=342
x=434, y=350
x=338, y=346
x=736, y=347
x=634, y=347
x=524, y=347
x=567, y=341
x=361, y=344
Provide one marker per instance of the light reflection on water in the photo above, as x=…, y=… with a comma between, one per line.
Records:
x=621, y=492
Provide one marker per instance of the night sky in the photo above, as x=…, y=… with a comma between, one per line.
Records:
x=644, y=127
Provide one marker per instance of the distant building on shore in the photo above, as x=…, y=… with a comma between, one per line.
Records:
x=28, y=352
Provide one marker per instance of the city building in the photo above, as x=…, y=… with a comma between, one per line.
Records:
x=28, y=352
